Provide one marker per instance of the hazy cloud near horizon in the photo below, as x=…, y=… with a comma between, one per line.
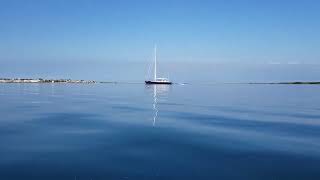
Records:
x=178, y=71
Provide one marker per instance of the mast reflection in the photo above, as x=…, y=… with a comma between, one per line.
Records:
x=155, y=105
x=160, y=93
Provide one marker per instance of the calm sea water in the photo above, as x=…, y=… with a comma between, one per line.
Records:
x=133, y=131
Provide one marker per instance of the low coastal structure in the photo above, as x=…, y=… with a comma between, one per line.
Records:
x=40, y=80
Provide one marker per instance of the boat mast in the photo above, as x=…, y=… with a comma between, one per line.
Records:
x=155, y=62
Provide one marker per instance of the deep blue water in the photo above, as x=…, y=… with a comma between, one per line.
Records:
x=133, y=131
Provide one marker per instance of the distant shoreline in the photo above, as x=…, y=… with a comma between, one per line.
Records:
x=41, y=80
x=293, y=83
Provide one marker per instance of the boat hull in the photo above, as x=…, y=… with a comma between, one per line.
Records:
x=157, y=82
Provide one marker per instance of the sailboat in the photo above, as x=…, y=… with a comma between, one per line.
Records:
x=157, y=80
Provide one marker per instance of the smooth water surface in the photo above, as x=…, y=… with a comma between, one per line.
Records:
x=133, y=131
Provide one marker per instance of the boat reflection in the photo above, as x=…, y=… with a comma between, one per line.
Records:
x=160, y=93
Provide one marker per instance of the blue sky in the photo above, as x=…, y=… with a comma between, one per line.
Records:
x=48, y=34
